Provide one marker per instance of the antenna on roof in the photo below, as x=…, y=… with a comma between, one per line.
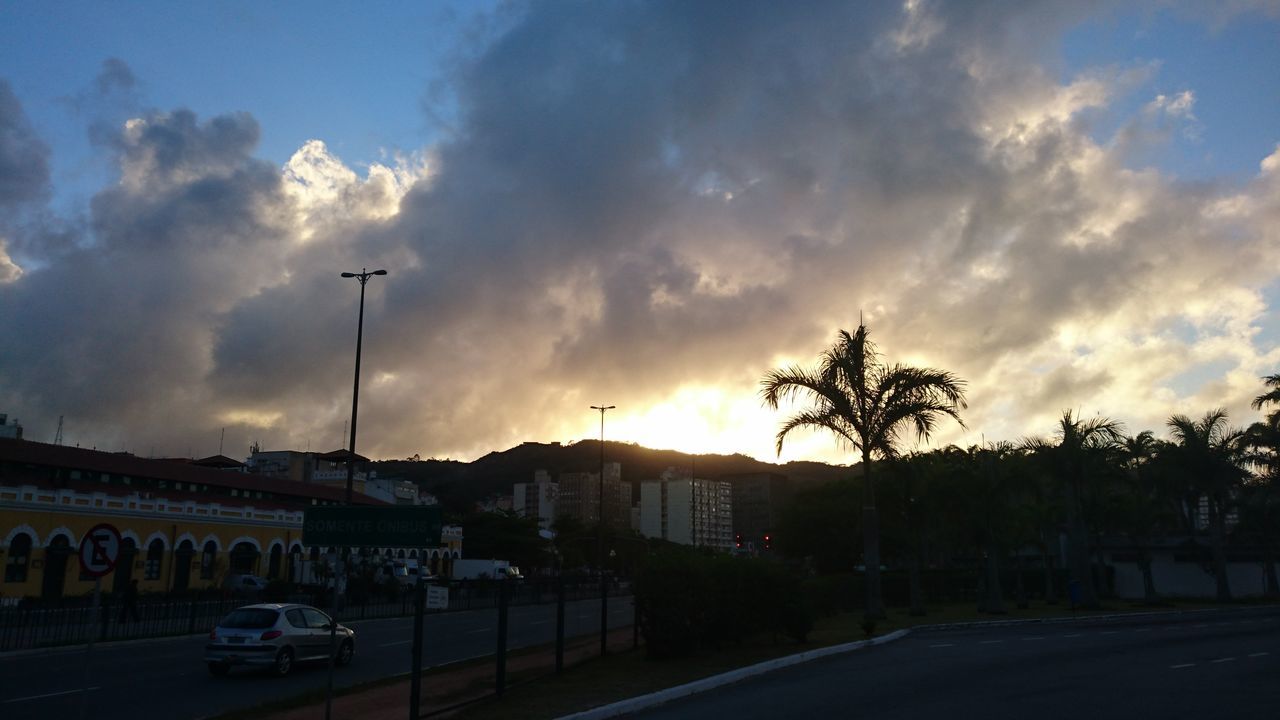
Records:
x=221, y=440
x=57, y=437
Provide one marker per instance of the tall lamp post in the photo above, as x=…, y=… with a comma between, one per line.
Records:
x=604, y=582
x=363, y=276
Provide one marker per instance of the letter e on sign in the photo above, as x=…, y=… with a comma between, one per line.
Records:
x=99, y=550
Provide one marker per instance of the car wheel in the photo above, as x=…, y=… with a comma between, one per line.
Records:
x=284, y=662
x=217, y=668
x=345, y=652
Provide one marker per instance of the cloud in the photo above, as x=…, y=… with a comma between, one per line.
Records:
x=651, y=205
x=24, y=157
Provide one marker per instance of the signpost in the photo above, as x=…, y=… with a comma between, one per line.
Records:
x=99, y=551
x=416, y=526
x=437, y=598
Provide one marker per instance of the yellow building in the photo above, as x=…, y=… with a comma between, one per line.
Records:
x=184, y=525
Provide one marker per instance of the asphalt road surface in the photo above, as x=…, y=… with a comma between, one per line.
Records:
x=167, y=679
x=1211, y=665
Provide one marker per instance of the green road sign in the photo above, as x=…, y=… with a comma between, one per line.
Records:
x=356, y=526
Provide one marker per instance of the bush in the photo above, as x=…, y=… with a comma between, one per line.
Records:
x=689, y=601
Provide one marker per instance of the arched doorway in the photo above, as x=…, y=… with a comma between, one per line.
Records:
x=55, y=567
x=295, y=563
x=244, y=558
x=124, y=566
x=182, y=565
x=273, y=564
x=208, y=560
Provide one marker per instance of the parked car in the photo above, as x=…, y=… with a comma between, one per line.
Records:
x=245, y=585
x=275, y=636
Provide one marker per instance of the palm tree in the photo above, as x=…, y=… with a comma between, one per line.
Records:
x=1140, y=503
x=1078, y=454
x=1272, y=396
x=869, y=406
x=1212, y=457
x=1260, y=501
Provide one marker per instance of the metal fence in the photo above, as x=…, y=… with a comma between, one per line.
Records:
x=69, y=621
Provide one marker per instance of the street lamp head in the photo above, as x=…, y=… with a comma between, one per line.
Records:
x=379, y=272
x=346, y=274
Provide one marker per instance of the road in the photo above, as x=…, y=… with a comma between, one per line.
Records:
x=167, y=679
x=1221, y=664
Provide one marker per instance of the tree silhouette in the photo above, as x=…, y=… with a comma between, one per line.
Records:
x=869, y=406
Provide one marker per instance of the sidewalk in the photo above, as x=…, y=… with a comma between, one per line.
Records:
x=446, y=687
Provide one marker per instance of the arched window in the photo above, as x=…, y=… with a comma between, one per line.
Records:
x=208, y=560
x=18, y=559
x=400, y=553
x=155, y=558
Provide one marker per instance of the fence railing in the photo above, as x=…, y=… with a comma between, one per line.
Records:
x=69, y=621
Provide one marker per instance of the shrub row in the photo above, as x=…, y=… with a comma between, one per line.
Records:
x=689, y=601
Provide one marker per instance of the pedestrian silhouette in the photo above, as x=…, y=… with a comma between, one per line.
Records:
x=129, y=608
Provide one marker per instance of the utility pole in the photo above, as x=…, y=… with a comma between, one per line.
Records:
x=604, y=582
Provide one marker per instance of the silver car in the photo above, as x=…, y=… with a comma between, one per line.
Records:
x=275, y=636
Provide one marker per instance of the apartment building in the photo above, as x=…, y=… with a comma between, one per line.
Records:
x=687, y=510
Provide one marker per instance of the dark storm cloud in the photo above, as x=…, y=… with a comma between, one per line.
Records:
x=118, y=332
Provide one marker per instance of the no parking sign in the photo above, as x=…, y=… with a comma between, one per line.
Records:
x=99, y=550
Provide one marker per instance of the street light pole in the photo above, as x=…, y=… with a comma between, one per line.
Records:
x=604, y=583
x=339, y=567
x=363, y=276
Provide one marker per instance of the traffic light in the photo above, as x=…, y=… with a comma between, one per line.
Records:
x=737, y=539
x=768, y=541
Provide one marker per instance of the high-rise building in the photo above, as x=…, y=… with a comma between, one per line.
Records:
x=758, y=499
x=538, y=499
x=580, y=497
x=687, y=510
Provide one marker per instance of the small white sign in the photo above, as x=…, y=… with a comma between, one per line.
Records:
x=437, y=597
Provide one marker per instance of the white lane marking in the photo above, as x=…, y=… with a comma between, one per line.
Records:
x=941, y=645
x=1258, y=654
x=1183, y=665
x=1072, y=635
x=49, y=695
x=398, y=642
x=1038, y=637
x=1222, y=660
x=990, y=642
x=479, y=630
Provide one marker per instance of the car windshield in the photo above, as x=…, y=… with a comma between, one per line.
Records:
x=250, y=619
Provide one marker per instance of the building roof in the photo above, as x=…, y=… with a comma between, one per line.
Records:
x=341, y=456
x=61, y=456
x=218, y=461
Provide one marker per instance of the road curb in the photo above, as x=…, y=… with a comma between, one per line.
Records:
x=644, y=702
x=978, y=624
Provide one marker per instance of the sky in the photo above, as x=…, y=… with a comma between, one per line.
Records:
x=641, y=204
